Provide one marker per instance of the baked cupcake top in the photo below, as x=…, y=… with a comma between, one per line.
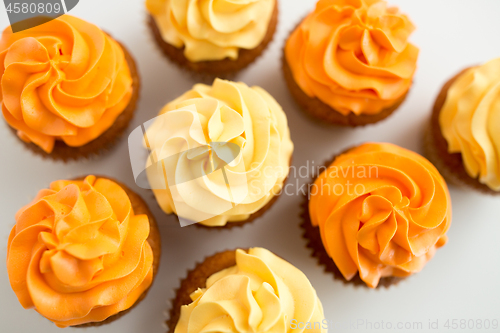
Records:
x=262, y=293
x=193, y=132
x=470, y=121
x=78, y=254
x=63, y=80
x=353, y=55
x=212, y=30
x=382, y=211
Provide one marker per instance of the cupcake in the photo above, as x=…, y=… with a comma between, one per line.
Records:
x=464, y=136
x=377, y=214
x=350, y=62
x=220, y=37
x=83, y=252
x=68, y=90
x=219, y=155
x=246, y=291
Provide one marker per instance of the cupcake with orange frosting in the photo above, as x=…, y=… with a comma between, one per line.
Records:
x=464, y=136
x=214, y=37
x=349, y=62
x=219, y=155
x=377, y=214
x=246, y=291
x=68, y=90
x=83, y=252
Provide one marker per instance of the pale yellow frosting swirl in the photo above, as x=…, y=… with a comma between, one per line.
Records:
x=262, y=293
x=212, y=29
x=470, y=121
x=224, y=112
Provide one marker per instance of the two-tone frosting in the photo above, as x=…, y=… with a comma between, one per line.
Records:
x=262, y=293
x=470, y=121
x=212, y=30
x=353, y=55
x=381, y=210
x=78, y=253
x=63, y=80
x=227, y=112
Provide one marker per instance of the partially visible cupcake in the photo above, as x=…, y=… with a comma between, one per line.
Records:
x=83, y=252
x=214, y=37
x=377, y=214
x=220, y=154
x=68, y=90
x=350, y=62
x=246, y=291
x=464, y=137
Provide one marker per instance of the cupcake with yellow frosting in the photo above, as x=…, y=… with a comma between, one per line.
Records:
x=464, y=136
x=350, y=62
x=214, y=37
x=246, y=291
x=377, y=214
x=83, y=252
x=219, y=154
x=68, y=90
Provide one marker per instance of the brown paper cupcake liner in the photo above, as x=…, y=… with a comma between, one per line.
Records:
x=321, y=112
x=106, y=140
x=314, y=242
x=450, y=165
x=140, y=207
x=225, y=68
x=196, y=278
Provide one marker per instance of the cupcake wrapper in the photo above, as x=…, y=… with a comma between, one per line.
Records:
x=106, y=140
x=451, y=166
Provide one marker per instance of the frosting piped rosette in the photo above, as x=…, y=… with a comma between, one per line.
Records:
x=470, y=122
x=261, y=293
x=63, y=80
x=381, y=210
x=189, y=171
x=353, y=55
x=212, y=30
x=78, y=254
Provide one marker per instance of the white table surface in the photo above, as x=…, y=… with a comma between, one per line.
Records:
x=461, y=282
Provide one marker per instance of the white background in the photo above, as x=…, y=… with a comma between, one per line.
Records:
x=461, y=282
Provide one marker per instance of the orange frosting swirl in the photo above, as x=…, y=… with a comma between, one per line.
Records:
x=78, y=254
x=353, y=55
x=382, y=211
x=63, y=80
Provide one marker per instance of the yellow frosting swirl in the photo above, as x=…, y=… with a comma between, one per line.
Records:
x=262, y=293
x=78, y=254
x=63, y=80
x=225, y=112
x=470, y=121
x=212, y=29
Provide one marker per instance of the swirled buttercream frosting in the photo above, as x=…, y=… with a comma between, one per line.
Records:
x=381, y=210
x=353, y=55
x=78, y=254
x=262, y=293
x=212, y=29
x=63, y=80
x=470, y=121
x=201, y=121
